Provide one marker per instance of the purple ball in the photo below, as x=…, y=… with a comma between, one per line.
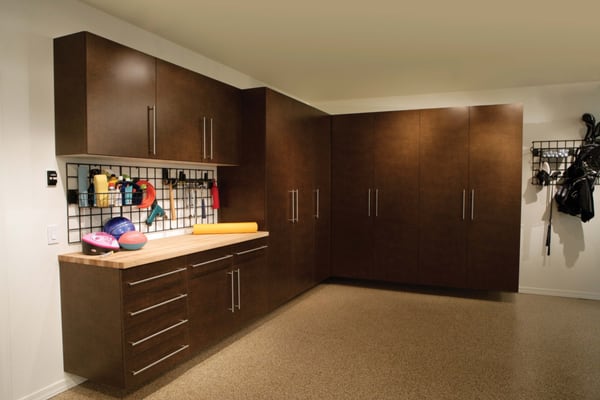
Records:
x=117, y=226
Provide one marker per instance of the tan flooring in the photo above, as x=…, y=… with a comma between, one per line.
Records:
x=341, y=341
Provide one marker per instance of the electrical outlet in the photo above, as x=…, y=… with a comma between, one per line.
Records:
x=52, y=233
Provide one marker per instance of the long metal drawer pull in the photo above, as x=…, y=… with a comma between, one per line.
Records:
x=139, y=371
x=241, y=253
x=239, y=304
x=143, y=310
x=464, y=198
x=156, y=277
x=369, y=203
x=183, y=321
x=212, y=261
x=472, y=204
x=232, y=309
x=377, y=202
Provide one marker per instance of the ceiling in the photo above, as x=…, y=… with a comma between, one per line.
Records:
x=330, y=50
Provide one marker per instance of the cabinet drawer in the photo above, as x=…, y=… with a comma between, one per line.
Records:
x=152, y=363
x=154, y=333
x=207, y=262
x=161, y=309
x=147, y=287
x=249, y=251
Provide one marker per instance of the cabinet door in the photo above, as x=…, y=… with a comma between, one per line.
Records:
x=304, y=170
x=280, y=195
x=224, y=124
x=321, y=131
x=495, y=185
x=104, y=93
x=443, y=196
x=211, y=298
x=396, y=183
x=180, y=111
x=352, y=195
x=251, y=272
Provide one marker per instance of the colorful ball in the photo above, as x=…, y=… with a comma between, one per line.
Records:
x=117, y=226
x=132, y=240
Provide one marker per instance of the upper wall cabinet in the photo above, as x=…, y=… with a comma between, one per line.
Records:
x=112, y=100
x=198, y=118
x=104, y=95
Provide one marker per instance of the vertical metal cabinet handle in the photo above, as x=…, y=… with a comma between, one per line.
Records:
x=211, y=138
x=377, y=202
x=153, y=108
x=464, y=199
x=293, y=219
x=318, y=206
x=203, y=137
x=297, y=202
x=232, y=309
x=239, y=304
x=472, y=204
x=369, y=203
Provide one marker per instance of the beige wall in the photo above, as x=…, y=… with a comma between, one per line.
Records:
x=30, y=329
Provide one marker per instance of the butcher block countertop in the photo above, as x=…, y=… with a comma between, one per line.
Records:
x=161, y=249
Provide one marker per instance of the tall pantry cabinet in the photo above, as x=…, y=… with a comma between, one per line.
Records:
x=283, y=184
x=470, y=202
x=428, y=196
x=374, y=195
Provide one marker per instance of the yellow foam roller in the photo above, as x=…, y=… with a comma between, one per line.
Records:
x=225, y=227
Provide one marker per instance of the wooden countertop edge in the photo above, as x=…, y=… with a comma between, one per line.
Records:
x=161, y=249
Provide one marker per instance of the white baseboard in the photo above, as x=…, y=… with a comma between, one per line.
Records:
x=55, y=388
x=560, y=293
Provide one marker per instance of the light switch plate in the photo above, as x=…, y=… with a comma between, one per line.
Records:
x=52, y=232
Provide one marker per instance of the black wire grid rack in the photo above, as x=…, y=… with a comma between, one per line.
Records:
x=189, y=188
x=559, y=154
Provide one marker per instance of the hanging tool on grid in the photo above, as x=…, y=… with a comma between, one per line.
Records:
x=575, y=196
x=548, y=178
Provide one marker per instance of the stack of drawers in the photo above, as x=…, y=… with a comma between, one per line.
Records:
x=155, y=319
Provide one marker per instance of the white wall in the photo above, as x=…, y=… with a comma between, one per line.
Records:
x=30, y=330
x=550, y=112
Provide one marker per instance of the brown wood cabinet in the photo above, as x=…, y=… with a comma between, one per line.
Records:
x=125, y=327
x=443, y=150
x=104, y=95
x=227, y=290
x=470, y=210
x=115, y=101
x=351, y=182
x=495, y=152
x=277, y=185
x=428, y=196
x=223, y=124
x=375, y=195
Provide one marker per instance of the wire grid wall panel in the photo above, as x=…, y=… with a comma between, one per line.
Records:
x=192, y=199
x=559, y=154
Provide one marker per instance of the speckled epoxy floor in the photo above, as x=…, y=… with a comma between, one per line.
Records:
x=341, y=341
